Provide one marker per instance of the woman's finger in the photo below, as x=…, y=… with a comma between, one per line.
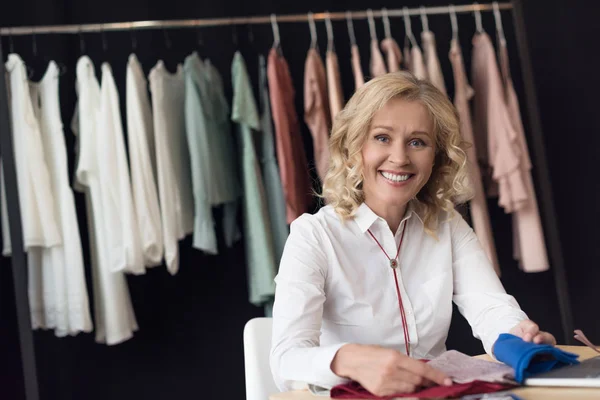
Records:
x=544, y=337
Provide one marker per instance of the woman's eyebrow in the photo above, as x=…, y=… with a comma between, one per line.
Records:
x=386, y=127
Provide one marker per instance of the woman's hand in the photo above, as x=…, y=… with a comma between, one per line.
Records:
x=384, y=372
x=530, y=331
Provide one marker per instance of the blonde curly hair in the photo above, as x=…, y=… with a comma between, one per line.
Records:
x=448, y=184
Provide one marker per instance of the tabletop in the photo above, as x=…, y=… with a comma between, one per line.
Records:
x=525, y=393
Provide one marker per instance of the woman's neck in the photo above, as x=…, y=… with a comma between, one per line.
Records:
x=392, y=214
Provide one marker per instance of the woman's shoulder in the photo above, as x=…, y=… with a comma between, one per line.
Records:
x=320, y=222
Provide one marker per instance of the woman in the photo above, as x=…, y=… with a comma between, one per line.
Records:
x=366, y=285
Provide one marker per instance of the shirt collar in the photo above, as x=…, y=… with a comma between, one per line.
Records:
x=365, y=217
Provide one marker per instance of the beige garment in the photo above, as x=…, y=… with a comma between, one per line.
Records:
x=529, y=246
x=392, y=53
x=359, y=79
x=478, y=206
x=377, y=65
x=417, y=63
x=432, y=62
x=334, y=84
x=316, y=109
x=493, y=127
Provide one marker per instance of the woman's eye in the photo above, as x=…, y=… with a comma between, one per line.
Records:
x=416, y=143
x=382, y=138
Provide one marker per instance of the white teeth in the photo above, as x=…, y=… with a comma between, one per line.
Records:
x=394, y=177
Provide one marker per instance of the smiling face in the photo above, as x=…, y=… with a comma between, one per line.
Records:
x=398, y=154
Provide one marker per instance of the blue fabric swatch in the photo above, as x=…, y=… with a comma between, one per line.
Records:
x=528, y=358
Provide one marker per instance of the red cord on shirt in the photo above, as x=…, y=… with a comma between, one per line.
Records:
x=402, y=313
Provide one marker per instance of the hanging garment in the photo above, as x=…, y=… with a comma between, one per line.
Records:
x=432, y=62
x=172, y=160
x=124, y=239
x=72, y=313
x=212, y=155
x=114, y=316
x=37, y=201
x=359, y=79
x=417, y=63
x=290, y=149
x=392, y=53
x=270, y=171
x=142, y=154
x=257, y=227
x=494, y=128
x=377, y=65
x=334, y=84
x=478, y=205
x=529, y=246
x=316, y=109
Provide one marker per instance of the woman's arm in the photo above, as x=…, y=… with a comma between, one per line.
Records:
x=478, y=293
x=296, y=354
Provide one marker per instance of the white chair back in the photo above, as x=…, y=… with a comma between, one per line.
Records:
x=257, y=346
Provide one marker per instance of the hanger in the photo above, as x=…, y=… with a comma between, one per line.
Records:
x=81, y=42
x=28, y=67
x=133, y=38
x=104, y=42
x=386, y=23
x=199, y=39
x=276, y=38
x=11, y=44
x=313, y=30
x=408, y=28
x=372, y=28
x=424, y=20
x=330, y=44
x=234, y=35
x=453, y=21
x=477, y=14
x=350, y=25
x=167, y=39
x=499, y=27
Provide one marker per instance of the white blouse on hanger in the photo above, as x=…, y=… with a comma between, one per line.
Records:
x=114, y=316
x=172, y=160
x=140, y=140
x=63, y=264
x=36, y=199
x=124, y=240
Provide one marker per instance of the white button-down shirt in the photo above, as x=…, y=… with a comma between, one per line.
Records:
x=335, y=286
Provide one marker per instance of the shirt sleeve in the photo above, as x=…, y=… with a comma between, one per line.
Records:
x=478, y=292
x=296, y=354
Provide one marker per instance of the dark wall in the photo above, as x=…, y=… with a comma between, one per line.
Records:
x=190, y=325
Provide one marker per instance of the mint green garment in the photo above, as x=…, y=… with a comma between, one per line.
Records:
x=257, y=227
x=212, y=153
x=270, y=170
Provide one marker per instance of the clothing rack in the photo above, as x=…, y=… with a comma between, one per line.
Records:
x=19, y=261
x=273, y=18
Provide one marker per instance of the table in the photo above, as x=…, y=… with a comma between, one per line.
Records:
x=525, y=393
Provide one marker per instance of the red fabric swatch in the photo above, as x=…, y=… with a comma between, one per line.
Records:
x=354, y=390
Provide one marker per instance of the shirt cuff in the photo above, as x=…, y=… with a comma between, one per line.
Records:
x=325, y=378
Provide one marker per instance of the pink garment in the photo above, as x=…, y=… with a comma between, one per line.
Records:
x=478, y=206
x=359, y=79
x=290, y=149
x=377, y=65
x=334, y=84
x=392, y=53
x=495, y=137
x=316, y=109
x=417, y=63
x=529, y=246
x=432, y=62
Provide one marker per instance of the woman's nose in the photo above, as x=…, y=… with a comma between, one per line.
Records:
x=399, y=155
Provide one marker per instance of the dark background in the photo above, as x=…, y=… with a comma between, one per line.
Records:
x=190, y=338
